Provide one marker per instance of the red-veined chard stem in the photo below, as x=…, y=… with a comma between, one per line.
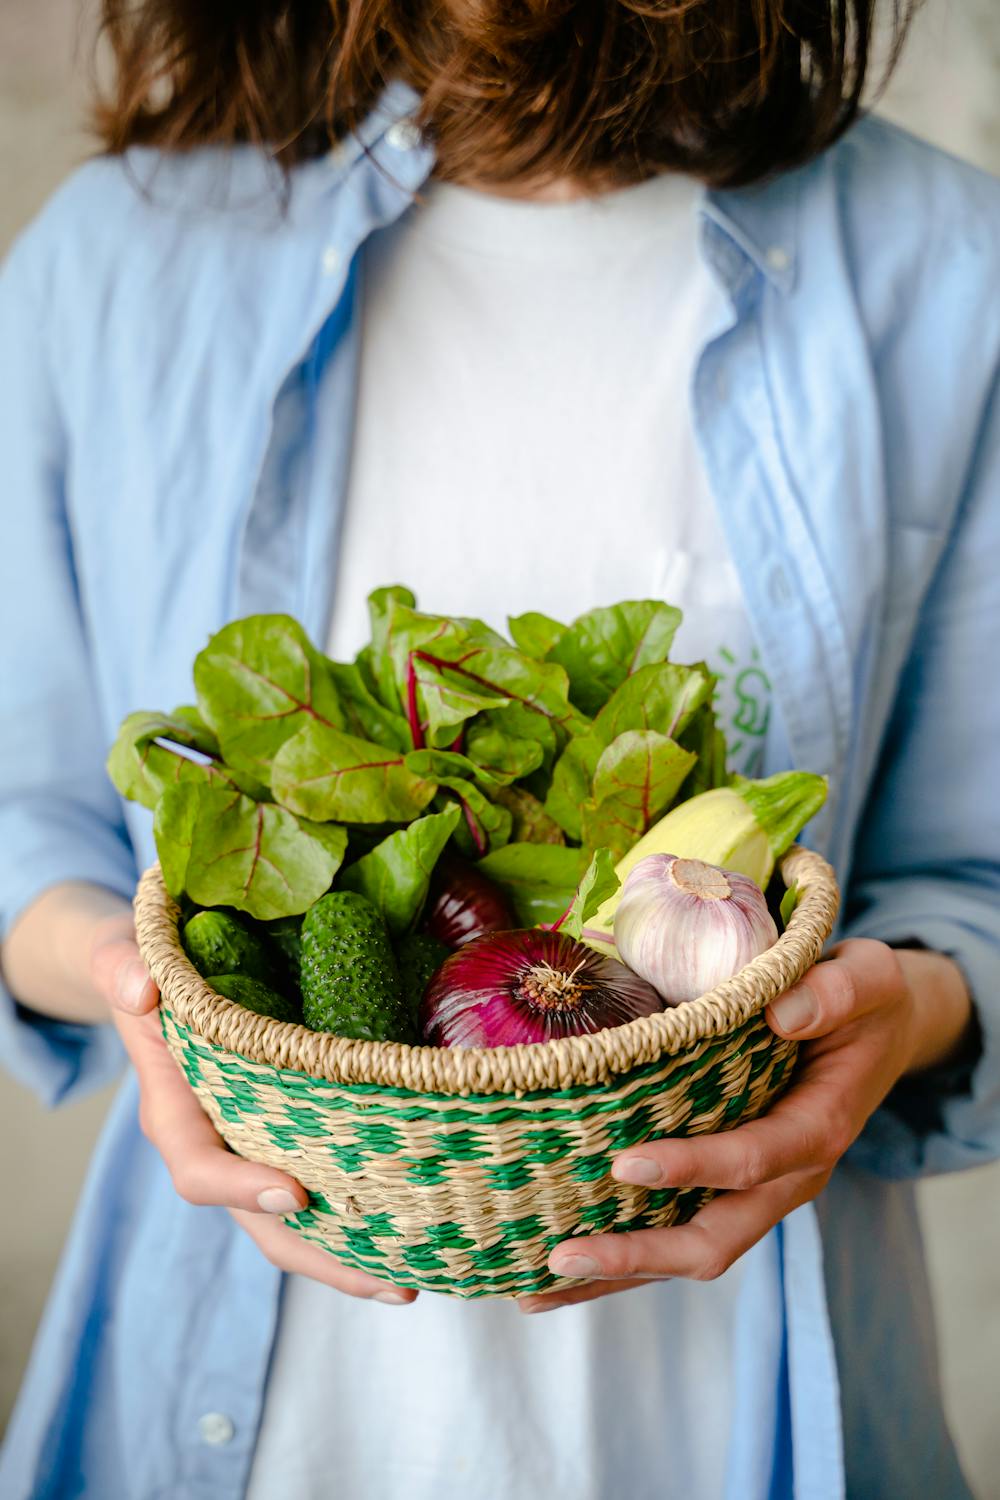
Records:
x=474, y=829
x=412, y=711
x=555, y=926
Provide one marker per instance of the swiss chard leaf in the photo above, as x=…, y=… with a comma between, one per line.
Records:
x=508, y=737
x=259, y=680
x=396, y=875
x=484, y=825
x=364, y=714
x=572, y=775
x=599, y=882
x=503, y=756
x=224, y=849
x=661, y=697
x=637, y=778
x=708, y=743
x=535, y=634
x=532, y=823
x=456, y=677
x=382, y=604
x=438, y=764
x=153, y=751
x=605, y=646
x=538, y=879
x=323, y=774
x=445, y=700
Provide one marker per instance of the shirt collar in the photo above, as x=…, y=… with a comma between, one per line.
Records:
x=761, y=224
x=751, y=227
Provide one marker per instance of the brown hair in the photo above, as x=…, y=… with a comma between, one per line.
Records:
x=727, y=90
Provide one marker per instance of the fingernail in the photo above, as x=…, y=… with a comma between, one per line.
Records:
x=132, y=984
x=391, y=1299
x=575, y=1265
x=795, y=1010
x=278, y=1200
x=642, y=1170
x=540, y=1307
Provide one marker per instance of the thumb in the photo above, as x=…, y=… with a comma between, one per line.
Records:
x=118, y=972
x=859, y=976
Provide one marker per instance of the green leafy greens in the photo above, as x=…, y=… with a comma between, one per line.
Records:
x=544, y=756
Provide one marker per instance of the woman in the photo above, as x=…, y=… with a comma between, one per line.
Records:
x=556, y=304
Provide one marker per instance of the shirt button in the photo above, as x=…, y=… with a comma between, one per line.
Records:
x=331, y=260
x=404, y=135
x=215, y=1428
x=778, y=258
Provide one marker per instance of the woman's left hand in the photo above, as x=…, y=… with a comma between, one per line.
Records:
x=868, y=1014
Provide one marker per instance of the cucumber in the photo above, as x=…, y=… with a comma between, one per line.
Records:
x=418, y=956
x=217, y=943
x=350, y=982
x=286, y=935
x=255, y=996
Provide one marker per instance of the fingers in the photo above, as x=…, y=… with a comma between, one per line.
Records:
x=286, y=1250
x=118, y=972
x=808, y=1129
x=570, y=1296
x=859, y=976
x=702, y=1250
x=202, y=1168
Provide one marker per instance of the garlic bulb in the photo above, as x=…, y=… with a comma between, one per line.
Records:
x=686, y=926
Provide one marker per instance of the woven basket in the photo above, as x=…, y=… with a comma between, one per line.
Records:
x=458, y=1170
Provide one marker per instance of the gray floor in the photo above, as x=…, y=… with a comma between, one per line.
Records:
x=948, y=90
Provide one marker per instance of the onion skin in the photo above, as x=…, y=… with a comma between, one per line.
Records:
x=687, y=926
x=529, y=985
x=464, y=904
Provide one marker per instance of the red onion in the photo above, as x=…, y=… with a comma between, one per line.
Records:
x=531, y=985
x=464, y=904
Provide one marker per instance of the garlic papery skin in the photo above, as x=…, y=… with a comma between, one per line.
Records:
x=685, y=926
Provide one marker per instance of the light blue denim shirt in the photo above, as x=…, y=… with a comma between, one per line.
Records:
x=178, y=355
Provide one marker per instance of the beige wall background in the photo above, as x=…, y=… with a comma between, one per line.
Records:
x=947, y=89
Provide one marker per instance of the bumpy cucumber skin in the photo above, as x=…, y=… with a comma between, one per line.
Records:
x=418, y=955
x=217, y=943
x=350, y=982
x=255, y=996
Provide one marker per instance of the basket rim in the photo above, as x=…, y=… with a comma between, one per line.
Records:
x=560, y=1064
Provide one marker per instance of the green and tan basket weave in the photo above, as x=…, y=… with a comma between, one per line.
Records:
x=458, y=1170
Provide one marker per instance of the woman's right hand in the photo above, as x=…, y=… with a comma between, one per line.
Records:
x=201, y=1166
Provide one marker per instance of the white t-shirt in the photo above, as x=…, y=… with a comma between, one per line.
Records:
x=524, y=441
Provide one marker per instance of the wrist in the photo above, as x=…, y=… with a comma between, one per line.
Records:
x=48, y=954
x=941, y=1013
